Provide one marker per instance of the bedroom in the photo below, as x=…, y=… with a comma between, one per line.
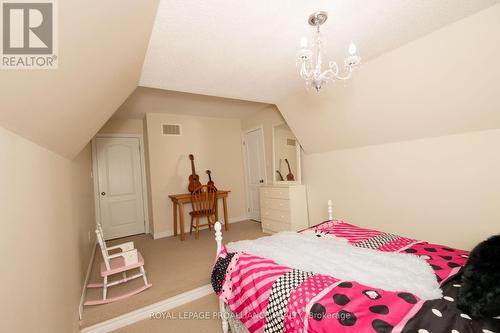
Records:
x=409, y=145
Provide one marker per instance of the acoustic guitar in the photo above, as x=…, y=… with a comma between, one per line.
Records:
x=290, y=176
x=210, y=182
x=280, y=175
x=194, y=179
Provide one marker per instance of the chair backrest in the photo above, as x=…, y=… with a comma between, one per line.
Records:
x=203, y=198
x=102, y=245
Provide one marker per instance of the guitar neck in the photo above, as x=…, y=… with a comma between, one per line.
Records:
x=193, y=171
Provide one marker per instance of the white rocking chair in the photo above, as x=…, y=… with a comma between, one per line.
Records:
x=127, y=258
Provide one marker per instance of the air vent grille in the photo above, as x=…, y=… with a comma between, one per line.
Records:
x=290, y=142
x=171, y=129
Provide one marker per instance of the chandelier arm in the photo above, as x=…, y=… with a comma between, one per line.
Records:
x=347, y=75
x=312, y=59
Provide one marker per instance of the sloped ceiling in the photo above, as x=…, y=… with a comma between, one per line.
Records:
x=144, y=100
x=101, y=52
x=247, y=49
x=444, y=83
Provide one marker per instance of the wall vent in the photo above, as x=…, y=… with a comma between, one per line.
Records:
x=290, y=142
x=171, y=129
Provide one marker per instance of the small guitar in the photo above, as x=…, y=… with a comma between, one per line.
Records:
x=280, y=175
x=290, y=176
x=194, y=179
x=210, y=182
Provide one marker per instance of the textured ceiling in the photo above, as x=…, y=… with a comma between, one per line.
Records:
x=443, y=84
x=247, y=49
x=144, y=100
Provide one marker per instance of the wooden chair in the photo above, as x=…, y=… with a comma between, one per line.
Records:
x=203, y=200
x=127, y=258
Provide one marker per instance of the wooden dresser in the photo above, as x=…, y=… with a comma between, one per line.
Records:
x=283, y=208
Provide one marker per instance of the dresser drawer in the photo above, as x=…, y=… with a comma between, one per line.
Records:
x=274, y=226
x=277, y=215
x=278, y=204
x=275, y=192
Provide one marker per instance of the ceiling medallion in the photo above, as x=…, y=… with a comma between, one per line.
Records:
x=311, y=59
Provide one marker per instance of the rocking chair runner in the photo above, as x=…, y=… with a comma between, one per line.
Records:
x=125, y=260
x=203, y=200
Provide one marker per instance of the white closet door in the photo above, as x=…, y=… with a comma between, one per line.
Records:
x=120, y=187
x=256, y=169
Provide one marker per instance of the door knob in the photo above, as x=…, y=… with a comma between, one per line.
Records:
x=103, y=193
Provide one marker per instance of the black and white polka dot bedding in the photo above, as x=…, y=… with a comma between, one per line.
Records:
x=268, y=297
x=443, y=316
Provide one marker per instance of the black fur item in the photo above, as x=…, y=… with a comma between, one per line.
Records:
x=479, y=295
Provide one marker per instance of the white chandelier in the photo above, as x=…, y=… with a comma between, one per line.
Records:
x=311, y=59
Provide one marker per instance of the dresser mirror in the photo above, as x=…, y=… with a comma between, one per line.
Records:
x=286, y=156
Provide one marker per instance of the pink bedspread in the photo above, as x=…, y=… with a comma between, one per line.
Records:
x=268, y=297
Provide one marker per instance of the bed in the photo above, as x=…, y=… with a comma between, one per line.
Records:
x=257, y=294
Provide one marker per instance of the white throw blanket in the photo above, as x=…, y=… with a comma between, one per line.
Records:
x=384, y=270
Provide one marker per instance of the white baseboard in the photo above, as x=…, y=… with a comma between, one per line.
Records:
x=145, y=312
x=163, y=234
x=87, y=277
x=239, y=219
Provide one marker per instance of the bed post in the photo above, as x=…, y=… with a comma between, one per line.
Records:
x=330, y=210
x=218, y=239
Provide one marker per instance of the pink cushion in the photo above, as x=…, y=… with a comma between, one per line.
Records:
x=117, y=265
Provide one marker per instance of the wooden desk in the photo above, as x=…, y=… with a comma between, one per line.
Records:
x=179, y=200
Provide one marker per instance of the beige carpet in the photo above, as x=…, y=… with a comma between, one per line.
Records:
x=178, y=320
x=172, y=267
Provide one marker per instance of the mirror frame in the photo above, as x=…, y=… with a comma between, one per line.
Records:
x=298, y=176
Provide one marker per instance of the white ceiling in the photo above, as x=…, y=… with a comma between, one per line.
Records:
x=247, y=49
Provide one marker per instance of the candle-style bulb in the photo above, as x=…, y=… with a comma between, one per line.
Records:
x=352, y=49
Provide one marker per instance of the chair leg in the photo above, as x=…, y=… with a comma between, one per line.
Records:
x=197, y=226
x=191, y=228
x=209, y=222
x=105, y=288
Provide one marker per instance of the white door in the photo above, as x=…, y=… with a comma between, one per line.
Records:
x=256, y=169
x=119, y=171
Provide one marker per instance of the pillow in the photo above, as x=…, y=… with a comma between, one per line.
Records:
x=479, y=294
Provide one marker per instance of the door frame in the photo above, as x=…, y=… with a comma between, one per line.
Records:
x=245, y=162
x=145, y=199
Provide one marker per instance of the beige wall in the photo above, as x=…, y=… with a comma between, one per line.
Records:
x=216, y=145
x=123, y=126
x=444, y=189
x=267, y=118
x=150, y=100
x=47, y=213
x=102, y=45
